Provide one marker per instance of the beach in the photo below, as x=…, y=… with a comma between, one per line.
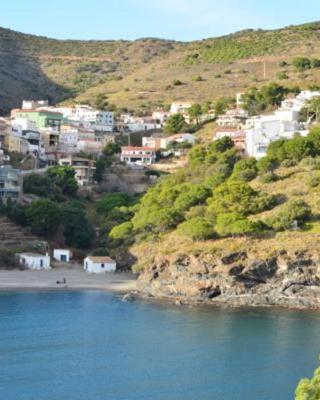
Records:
x=76, y=279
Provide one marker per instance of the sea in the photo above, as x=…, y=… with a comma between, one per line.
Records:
x=91, y=345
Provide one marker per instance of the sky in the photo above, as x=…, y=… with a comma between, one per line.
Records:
x=169, y=19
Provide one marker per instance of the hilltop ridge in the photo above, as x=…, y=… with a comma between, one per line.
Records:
x=143, y=74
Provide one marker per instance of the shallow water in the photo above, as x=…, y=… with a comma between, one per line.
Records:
x=92, y=346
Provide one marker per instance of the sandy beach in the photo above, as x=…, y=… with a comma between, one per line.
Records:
x=75, y=279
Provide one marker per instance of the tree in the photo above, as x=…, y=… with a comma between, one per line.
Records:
x=195, y=112
x=175, y=124
x=112, y=200
x=267, y=165
x=44, y=217
x=77, y=229
x=122, y=231
x=37, y=184
x=309, y=389
x=313, y=106
x=101, y=164
x=245, y=169
x=239, y=197
x=235, y=224
x=255, y=101
x=62, y=177
x=222, y=105
x=111, y=149
x=197, y=228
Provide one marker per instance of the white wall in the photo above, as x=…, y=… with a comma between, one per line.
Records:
x=35, y=261
x=57, y=253
x=98, y=268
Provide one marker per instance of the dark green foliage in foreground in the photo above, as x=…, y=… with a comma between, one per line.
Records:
x=309, y=389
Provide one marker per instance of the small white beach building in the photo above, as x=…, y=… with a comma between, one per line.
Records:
x=62, y=255
x=34, y=261
x=99, y=265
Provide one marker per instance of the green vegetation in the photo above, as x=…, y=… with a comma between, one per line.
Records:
x=58, y=183
x=175, y=124
x=309, y=389
x=142, y=74
x=256, y=101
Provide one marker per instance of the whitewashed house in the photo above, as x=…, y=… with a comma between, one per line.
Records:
x=62, y=255
x=138, y=155
x=34, y=261
x=99, y=265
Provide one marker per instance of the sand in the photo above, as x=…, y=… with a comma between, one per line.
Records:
x=76, y=279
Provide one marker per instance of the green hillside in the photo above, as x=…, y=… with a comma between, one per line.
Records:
x=141, y=74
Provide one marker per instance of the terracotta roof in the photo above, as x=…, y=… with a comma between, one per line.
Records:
x=101, y=260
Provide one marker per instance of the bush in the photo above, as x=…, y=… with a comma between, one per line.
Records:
x=197, y=228
x=309, y=389
x=123, y=231
x=266, y=165
x=245, y=170
x=235, y=224
x=175, y=124
x=301, y=63
x=110, y=201
x=282, y=75
x=293, y=211
x=37, y=184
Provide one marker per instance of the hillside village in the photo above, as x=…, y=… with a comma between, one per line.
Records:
x=39, y=136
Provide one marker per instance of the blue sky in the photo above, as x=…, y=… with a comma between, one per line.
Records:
x=170, y=19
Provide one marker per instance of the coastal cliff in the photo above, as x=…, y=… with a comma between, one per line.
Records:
x=284, y=279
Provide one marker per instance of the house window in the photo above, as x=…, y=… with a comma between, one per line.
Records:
x=102, y=265
x=41, y=263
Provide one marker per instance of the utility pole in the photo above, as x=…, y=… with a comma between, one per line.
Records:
x=264, y=70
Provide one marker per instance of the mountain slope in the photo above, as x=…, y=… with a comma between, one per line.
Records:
x=141, y=74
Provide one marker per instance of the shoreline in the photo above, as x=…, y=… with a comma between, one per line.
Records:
x=76, y=279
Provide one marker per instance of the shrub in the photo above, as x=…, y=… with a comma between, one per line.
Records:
x=266, y=165
x=282, y=75
x=245, y=170
x=293, y=211
x=197, y=228
x=110, y=201
x=301, y=63
x=309, y=389
x=235, y=224
x=177, y=82
x=123, y=231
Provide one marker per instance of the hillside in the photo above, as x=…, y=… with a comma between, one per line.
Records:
x=232, y=230
x=141, y=74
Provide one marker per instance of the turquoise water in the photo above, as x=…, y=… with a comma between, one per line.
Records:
x=92, y=346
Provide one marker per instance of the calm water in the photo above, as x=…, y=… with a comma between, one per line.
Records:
x=92, y=346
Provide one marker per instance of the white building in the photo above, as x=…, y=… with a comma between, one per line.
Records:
x=33, y=104
x=138, y=155
x=262, y=130
x=180, y=108
x=178, y=138
x=99, y=265
x=62, y=255
x=34, y=261
x=232, y=118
